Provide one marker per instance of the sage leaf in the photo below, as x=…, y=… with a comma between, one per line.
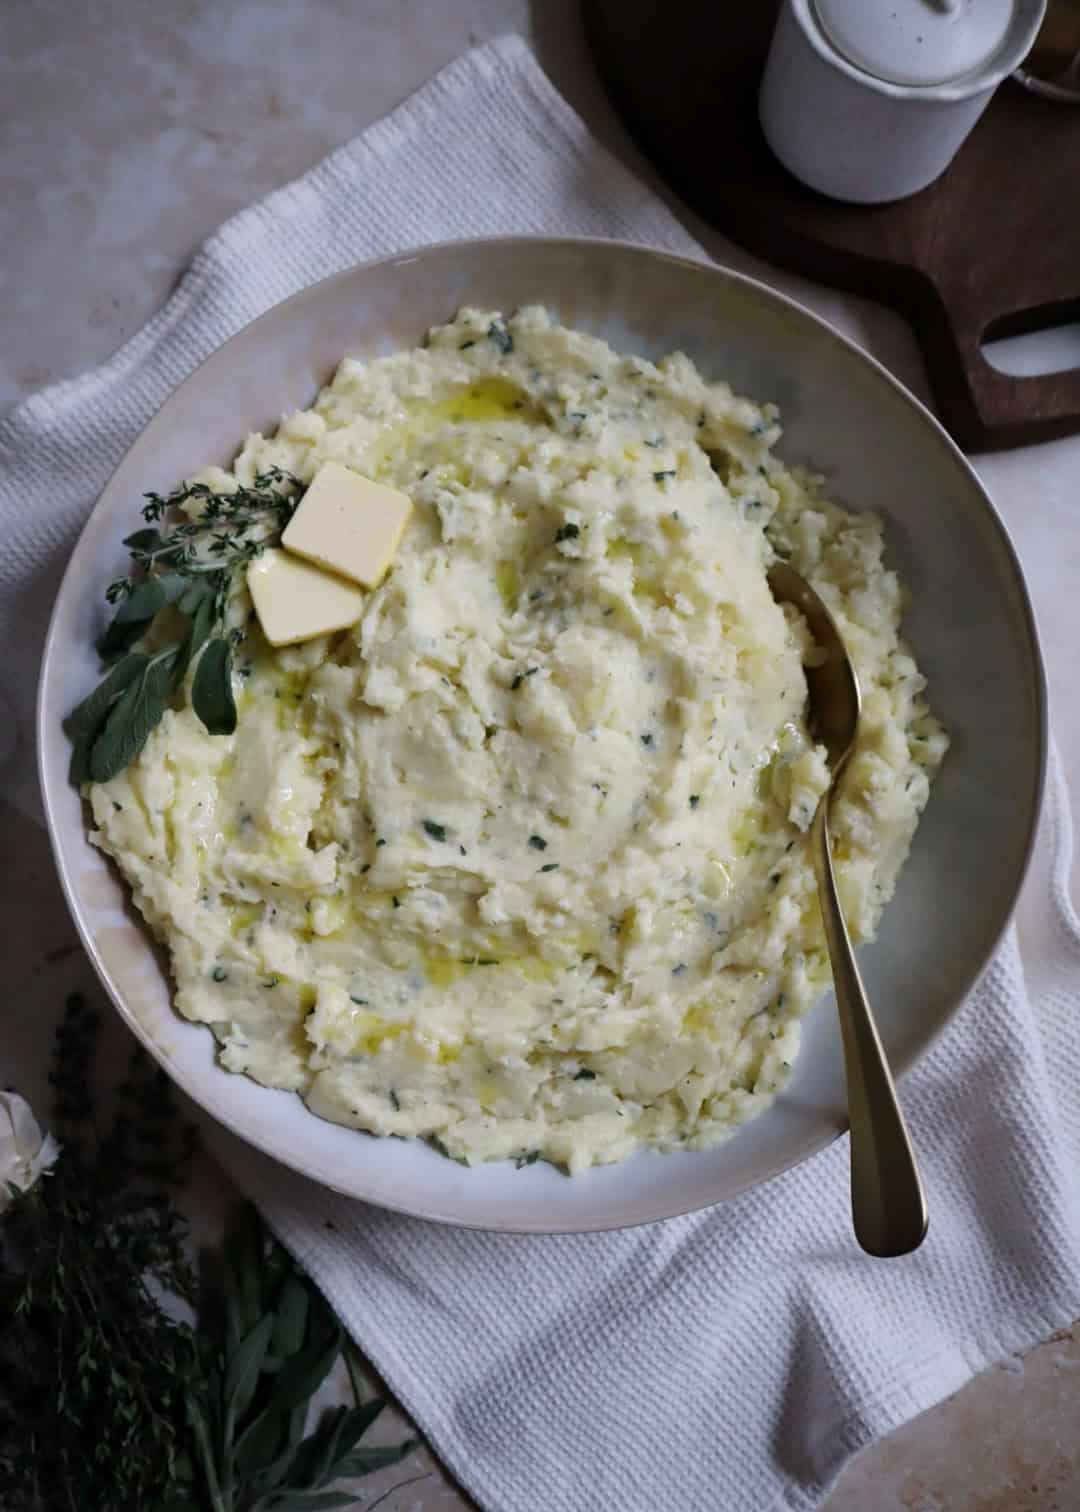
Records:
x=86, y=717
x=316, y=1456
x=212, y=1402
x=143, y=602
x=130, y=720
x=84, y=723
x=366, y=1461
x=301, y=1377
x=244, y=1368
x=152, y=594
x=120, y=636
x=200, y=1432
x=274, y=1267
x=357, y=1423
x=202, y=622
x=244, y=1270
x=133, y=618
x=211, y=691
x=259, y=1449
x=139, y=608
x=234, y=1323
x=297, y=1423
x=292, y=1317
x=261, y=1482
x=144, y=540
x=330, y=1446
x=353, y=1365
x=196, y=592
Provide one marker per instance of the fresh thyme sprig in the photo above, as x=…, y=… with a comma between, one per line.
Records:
x=175, y=600
x=108, y=1400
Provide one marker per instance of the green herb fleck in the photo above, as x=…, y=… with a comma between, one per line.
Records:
x=550, y=866
x=664, y=475
x=695, y=799
x=500, y=337
x=585, y=1075
x=436, y=831
x=521, y=676
x=219, y=974
x=538, y=842
x=527, y=1160
x=569, y=532
x=396, y=900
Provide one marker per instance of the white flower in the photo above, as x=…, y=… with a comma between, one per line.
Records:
x=24, y=1151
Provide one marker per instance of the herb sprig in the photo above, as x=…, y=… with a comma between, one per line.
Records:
x=265, y=1346
x=92, y=1370
x=175, y=601
x=109, y=1399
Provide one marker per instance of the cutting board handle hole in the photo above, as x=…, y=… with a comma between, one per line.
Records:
x=1031, y=343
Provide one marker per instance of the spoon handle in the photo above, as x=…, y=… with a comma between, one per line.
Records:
x=888, y=1204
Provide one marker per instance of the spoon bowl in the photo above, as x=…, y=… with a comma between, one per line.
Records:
x=835, y=699
x=888, y=1204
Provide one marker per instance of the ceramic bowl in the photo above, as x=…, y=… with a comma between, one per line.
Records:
x=970, y=622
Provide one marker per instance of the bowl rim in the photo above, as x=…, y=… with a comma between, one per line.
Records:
x=662, y=1210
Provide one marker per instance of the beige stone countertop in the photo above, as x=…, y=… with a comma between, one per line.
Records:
x=128, y=132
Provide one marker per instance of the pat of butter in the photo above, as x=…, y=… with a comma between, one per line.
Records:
x=297, y=602
x=348, y=524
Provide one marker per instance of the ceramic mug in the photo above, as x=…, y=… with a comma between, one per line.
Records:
x=871, y=137
x=1052, y=68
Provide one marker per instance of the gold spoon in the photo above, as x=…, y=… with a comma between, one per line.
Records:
x=888, y=1205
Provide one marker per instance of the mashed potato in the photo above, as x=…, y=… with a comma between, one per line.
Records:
x=519, y=864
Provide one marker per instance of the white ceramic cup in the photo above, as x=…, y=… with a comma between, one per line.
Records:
x=867, y=136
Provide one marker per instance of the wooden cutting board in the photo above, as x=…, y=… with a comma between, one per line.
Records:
x=992, y=249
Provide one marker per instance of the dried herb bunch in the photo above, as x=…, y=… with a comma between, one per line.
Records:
x=128, y=1380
